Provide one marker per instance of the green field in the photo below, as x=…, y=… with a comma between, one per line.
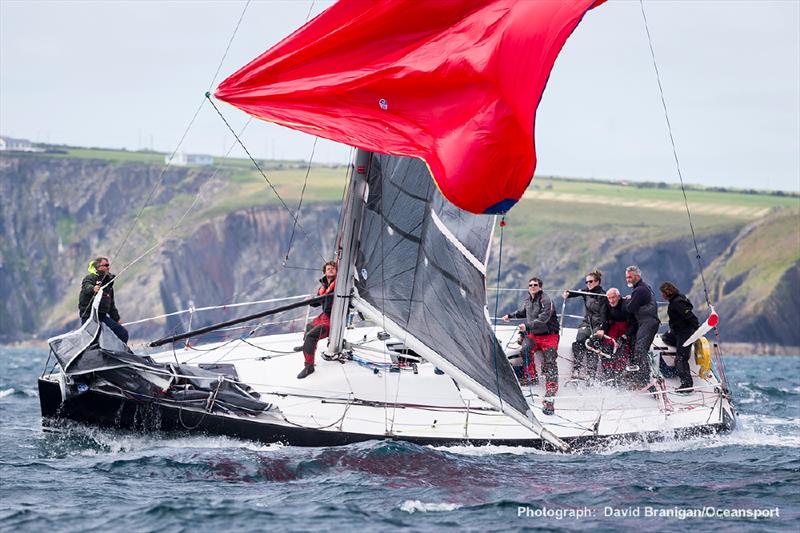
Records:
x=553, y=202
x=670, y=193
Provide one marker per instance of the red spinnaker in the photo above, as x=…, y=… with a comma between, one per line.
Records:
x=454, y=82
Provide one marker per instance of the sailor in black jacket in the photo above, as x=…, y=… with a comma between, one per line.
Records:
x=595, y=322
x=682, y=324
x=99, y=276
x=642, y=305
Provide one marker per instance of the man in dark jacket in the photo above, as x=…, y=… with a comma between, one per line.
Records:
x=320, y=326
x=541, y=331
x=682, y=324
x=621, y=328
x=642, y=305
x=595, y=322
x=100, y=277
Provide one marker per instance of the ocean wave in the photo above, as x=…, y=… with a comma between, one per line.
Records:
x=29, y=393
x=412, y=506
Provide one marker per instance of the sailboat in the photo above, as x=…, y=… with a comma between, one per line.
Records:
x=435, y=104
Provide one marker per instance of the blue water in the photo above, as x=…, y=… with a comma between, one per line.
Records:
x=119, y=481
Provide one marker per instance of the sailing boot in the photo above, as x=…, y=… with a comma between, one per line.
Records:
x=685, y=387
x=551, y=374
x=548, y=407
x=308, y=369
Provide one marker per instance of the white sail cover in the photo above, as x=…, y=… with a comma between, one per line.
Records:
x=421, y=265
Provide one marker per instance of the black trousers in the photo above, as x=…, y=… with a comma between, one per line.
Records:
x=580, y=353
x=682, y=353
x=644, y=339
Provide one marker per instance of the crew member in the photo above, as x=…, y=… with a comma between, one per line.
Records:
x=541, y=333
x=621, y=328
x=595, y=321
x=642, y=305
x=320, y=326
x=682, y=324
x=100, y=277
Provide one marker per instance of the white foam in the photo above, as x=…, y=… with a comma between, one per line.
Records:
x=744, y=435
x=412, y=506
x=489, y=449
x=6, y=392
x=136, y=446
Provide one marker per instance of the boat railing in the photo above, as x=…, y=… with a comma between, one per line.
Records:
x=192, y=309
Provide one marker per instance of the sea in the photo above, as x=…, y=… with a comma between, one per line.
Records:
x=87, y=479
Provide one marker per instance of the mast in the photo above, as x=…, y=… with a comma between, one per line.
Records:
x=351, y=227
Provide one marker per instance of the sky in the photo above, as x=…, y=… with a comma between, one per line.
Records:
x=132, y=74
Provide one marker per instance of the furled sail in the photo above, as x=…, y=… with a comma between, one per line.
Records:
x=420, y=273
x=453, y=82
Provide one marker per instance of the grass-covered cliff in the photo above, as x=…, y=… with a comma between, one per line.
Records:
x=220, y=235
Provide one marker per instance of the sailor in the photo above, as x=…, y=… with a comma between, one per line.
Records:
x=682, y=324
x=320, y=326
x=642, y=305
x=540, y=332
x=100, y=277
x=621, y=328
x=595, y=322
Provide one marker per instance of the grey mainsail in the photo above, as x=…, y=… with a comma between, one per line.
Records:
x=421, y=273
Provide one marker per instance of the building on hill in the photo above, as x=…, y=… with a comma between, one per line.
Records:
x=184, y=159
x=9, y=144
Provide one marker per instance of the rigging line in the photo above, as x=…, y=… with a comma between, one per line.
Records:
x=227, y=48
x=310, y=9
x=720, y=365
x=263, y=175
x=158, y=182
x=496, y=306
x=180, y=220
x=300, y=202
x=675, y=152
x=160, y=178
x=308, y=169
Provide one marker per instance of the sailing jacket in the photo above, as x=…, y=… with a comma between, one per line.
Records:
x=642, y=303
x=540, y=313
x=327, y=288
x=681, y=317
x=107, y=305
x=620, y=314
x=596, y=316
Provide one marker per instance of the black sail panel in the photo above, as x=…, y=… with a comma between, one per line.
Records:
x=421, y=264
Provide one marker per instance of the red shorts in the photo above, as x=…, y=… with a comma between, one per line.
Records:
x=543, y=342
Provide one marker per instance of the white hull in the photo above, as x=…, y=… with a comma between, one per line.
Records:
x=365, y=398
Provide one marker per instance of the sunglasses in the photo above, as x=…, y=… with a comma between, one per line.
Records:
x=588, y=281
x=105, y=265
x=533, y=285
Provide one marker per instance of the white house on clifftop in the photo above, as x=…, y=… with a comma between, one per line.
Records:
x=183, y=159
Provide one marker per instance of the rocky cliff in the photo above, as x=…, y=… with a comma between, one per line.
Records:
x=57, y=213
